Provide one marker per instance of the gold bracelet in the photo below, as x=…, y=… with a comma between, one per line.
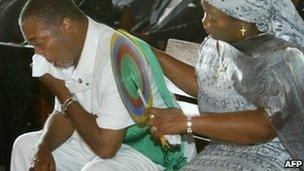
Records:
x=65, y=105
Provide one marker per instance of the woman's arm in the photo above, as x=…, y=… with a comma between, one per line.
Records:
x=181, y=74
x=237, y=127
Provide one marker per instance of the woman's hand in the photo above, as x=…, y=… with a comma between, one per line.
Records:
x=166, y=121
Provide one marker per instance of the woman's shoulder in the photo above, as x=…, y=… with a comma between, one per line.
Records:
x=280, y=47
x=206, y=45
x=207, y=42
x=287, y=52
x=285, y=59
x=293, y=56
x=213, y=46
x=265, y=45
x=290, y=51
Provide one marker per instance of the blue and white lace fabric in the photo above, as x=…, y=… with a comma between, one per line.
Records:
x=242, y=77
x=275, y=17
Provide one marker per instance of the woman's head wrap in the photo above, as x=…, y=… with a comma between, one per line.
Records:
x=275, y=17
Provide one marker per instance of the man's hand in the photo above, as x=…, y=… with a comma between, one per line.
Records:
x=42, y=160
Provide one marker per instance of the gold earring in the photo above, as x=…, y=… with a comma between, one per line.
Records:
x=243, y=30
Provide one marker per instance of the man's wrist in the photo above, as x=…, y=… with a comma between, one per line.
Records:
x=66, y=104
x=63, y=94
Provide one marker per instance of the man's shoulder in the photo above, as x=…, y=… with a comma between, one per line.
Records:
x=105, y=31
x=101, y=30
x=105, y=28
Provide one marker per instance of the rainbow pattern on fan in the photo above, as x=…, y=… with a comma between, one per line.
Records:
x=129, y=67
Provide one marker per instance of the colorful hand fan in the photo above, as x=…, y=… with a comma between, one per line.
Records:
x=129, y=67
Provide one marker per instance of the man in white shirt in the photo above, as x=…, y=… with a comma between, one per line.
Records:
x=88, y=125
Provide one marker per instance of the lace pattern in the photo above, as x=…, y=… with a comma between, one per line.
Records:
x=217, y=71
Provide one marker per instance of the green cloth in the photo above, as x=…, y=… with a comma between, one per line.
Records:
x=138, y=136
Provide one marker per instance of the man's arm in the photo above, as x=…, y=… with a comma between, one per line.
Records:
x=104, y=142
x=181, y=74
x=56, y=131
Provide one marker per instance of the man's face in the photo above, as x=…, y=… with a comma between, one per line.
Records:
x=52, y=43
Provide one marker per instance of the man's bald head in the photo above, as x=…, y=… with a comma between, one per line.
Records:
x=50, y=12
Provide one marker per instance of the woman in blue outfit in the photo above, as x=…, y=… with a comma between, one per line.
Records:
x=249, y=82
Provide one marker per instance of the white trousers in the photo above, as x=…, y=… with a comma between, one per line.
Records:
x=74, y=155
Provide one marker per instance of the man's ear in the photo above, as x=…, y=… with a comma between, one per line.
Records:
x=66, y=25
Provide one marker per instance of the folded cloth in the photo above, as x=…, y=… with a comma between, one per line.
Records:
x=41, y=66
